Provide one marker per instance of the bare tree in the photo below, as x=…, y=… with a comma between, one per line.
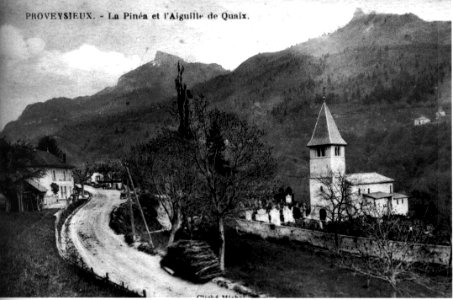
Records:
x=391, y=255
x=233, y=163
x=82, y=174
x=336, y=193
x=175, y=179
x=165, y=166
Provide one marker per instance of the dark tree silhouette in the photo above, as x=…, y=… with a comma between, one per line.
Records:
x=49, y=144
x=14, y=161
x=183, y=96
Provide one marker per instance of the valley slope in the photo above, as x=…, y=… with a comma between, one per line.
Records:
x=378, y=72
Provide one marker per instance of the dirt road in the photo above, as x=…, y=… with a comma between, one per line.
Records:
x=106, y=252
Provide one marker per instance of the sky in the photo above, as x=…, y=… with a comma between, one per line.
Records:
x=43, y=59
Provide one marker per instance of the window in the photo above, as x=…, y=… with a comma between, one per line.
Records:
x=64, y=175
x=322, y=190
x=402, y=201
x=53, y=175
x=397, y=201
x=321, y=151
x=337, y=151
x=368, y=191
x=390, y=189
x=359, y=191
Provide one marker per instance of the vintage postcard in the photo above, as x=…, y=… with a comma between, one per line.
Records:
x=225, y=148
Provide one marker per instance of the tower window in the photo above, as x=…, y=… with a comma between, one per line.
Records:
x=337, y=151
x=321, y=151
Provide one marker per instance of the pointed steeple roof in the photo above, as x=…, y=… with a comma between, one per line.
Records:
x=326, y=131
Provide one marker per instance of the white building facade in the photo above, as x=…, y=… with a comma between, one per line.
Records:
x=422, y=120
x=367, y=191
x=55, y=171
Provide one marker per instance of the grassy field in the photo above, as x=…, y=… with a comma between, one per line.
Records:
x=287, y=269
x=30, y=265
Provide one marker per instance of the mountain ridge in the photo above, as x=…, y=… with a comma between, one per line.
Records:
x=374, y=91
x=148, y=84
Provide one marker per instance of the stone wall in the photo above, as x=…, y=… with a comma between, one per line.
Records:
x=417, y=252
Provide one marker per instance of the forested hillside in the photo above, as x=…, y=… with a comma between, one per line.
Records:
x=378, y=73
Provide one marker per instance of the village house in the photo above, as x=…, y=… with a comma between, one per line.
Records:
x=440, y=113
x=422, y=120
x=368, y=191
x=96, y=178
x=55, y=171
x=99, y=179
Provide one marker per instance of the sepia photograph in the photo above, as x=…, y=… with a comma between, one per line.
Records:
x=225, y=148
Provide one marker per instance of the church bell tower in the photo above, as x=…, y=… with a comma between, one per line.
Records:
x=327, y=157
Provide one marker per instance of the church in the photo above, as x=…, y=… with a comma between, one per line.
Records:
x=367, y=191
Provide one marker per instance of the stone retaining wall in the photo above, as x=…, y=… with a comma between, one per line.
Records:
x=438, y=254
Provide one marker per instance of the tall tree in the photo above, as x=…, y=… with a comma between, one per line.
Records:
x=183, y=96
x=15, y=159
x=247, y=170
x=49, y=143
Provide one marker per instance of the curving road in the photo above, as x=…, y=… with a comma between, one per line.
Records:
x=107, y=252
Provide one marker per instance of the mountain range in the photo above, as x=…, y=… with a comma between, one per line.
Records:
x=377, y=73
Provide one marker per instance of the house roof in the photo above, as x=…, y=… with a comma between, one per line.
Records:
x=378, y=195
x=367, y=178
x=36, y=185
x=422, y=118
x=399, y=196
x=326, y=131
x=43, y=159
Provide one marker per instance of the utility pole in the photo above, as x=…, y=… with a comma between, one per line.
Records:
x=139, y=206
x=131, y=211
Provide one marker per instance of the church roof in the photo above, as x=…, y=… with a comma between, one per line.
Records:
x=399, y=196
x=378, y=195
x=367, y=178
x=326, y=131
x=422, y=117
